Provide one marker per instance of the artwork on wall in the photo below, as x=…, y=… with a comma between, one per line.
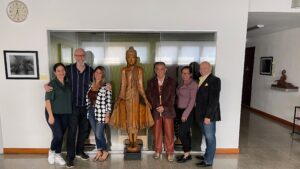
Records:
x=21, y=64
x=266, y=65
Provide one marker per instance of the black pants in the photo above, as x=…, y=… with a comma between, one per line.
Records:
x=78, y=120
x=185, y=130
x=58, y=129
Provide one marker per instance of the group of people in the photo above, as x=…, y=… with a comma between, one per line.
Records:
x=194, y=102
x=79, y=95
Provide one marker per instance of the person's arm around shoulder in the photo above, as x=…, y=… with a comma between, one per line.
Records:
x=47, y=87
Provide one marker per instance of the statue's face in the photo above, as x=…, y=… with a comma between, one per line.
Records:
x=131, y=58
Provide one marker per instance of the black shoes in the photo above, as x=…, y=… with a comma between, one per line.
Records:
x=203, y=164
x=70, y=164
x=200, y=157
x=179, y=157
x=184, y=159
x=82, y=156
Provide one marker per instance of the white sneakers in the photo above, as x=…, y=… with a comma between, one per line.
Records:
x=51, y=155
x=59, y=160
x=55, y=158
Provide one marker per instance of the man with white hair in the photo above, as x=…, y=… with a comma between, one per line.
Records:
x=208, y=111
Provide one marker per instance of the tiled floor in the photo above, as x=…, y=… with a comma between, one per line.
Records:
x=263, y=144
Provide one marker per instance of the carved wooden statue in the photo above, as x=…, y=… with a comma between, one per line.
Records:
x=129, y=113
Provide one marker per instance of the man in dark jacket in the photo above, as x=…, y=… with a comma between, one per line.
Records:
x=208, y=111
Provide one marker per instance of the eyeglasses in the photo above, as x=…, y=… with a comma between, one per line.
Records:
x=79, y=55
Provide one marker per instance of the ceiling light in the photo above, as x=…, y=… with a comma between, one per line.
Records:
x=295, y=3
x=255, y=27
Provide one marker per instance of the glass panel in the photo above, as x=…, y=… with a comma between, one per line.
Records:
x=94, y=52
x=66, y=54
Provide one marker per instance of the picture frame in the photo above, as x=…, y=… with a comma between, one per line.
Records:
x=21, y=64
x=266, y=65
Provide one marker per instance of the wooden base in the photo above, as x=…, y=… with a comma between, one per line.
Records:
x=129, y=154
x=133, y=153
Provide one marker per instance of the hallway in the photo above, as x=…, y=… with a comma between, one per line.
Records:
x=263, y=145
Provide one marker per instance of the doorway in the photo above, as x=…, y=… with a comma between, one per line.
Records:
x=248, y=72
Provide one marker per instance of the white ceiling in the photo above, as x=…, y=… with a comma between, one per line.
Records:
x=273, y=21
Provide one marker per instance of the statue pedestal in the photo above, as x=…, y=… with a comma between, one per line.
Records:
x=275, y=87
x=133, y=153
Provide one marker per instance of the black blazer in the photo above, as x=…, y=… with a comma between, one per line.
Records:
x=207, y=100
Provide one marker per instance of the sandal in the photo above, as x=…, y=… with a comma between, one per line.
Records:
x=98, y=156
x=156, y=155
x=103, y=158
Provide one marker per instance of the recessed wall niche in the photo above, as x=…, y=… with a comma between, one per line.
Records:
x=108, y=49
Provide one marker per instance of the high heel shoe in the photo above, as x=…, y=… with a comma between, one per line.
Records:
x=103, y=158
x=97, y=157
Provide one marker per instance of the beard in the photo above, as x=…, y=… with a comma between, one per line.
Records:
x=80, y=63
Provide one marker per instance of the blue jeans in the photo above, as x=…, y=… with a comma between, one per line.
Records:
x=98, y=129
x=209, y=131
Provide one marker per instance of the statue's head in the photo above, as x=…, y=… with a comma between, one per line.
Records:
x=283, y=71
x=131, y=56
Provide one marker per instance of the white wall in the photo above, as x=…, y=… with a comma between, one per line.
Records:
x=1, y=142
x=21, y=101
x=284, y=47
x=271, y=6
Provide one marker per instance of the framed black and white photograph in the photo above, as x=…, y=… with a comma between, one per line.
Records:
x=21, y=64
x=266, y=65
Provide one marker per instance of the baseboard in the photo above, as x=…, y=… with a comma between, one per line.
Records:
x=272, y=117
x=25, y=150
x=45, y=151
x=228, y=151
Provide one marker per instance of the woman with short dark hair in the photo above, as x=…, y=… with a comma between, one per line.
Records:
x=58, y=104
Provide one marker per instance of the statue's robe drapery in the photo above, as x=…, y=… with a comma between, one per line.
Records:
x=129, y=113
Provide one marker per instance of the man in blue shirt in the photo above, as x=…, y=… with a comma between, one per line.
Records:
x=79, y=76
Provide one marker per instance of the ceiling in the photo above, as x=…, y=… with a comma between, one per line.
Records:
x=273, y=21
